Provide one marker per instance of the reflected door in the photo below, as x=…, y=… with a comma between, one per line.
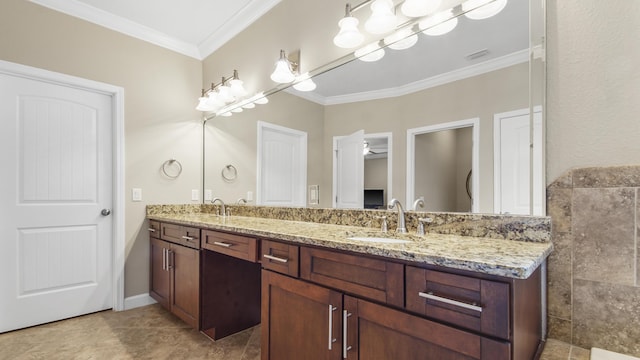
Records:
x=282, y=166
x=349, y=171
x=56, y=178
x=512, y=192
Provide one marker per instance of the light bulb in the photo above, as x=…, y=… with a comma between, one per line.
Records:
x=282, y=73
x=482, y=9
x=236, y=88
x=349, y=35
x=438, y=24
x=203, y=104
x=260, y=99
x=214, y=101
x=224, y=94
x=305, y=83
x=370, y=53
x=401, y=39
x=382, y=18
x=419, y=8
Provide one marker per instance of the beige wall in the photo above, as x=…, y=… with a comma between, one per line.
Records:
x=160, y=91
x=593, y=91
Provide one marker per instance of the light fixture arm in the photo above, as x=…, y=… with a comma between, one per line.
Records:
x=224, y=80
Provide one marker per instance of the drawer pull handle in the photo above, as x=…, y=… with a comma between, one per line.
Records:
x=430, y=296
x=222, y=244
x=331, y=338
x=188, y=238
x=151, y=230
x=275, y=258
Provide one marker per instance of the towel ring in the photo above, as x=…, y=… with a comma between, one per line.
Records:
x=171, y=174
x=229, y=173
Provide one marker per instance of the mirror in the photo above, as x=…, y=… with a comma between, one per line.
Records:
x=480, y=69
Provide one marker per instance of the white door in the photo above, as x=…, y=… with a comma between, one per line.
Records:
x=348, y=188
x=56, y=156
x=282, y=166
x=512, y=191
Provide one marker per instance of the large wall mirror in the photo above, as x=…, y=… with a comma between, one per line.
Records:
x=461, y=114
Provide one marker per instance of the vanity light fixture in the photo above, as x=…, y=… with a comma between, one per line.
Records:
x=482, y=9
x=419, y=8
x=221, y=94
x=370, y=53
x=349, y=35
x=383, y=19
x=439, y=23
x=284, y=71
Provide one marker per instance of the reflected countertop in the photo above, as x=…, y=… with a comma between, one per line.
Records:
x=509, y=258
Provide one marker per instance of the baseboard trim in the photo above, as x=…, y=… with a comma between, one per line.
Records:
x=133, y=302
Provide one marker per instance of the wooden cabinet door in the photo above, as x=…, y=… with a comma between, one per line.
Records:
x=160, y=287
x=299, y=320
x=377, y=332
x=185, y=284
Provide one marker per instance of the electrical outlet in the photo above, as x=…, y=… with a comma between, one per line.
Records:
x=136, y=194
x=195, y=196
x=249, y=195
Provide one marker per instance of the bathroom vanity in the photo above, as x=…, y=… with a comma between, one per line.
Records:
x=336, y=291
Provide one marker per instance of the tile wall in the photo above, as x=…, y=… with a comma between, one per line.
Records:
x=594, y=271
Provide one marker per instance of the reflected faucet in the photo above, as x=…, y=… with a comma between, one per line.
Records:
x=241, y=201
x=402, y=228
x=418, y=203
x=224, y=210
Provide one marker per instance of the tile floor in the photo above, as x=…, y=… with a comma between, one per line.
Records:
x=151, y=332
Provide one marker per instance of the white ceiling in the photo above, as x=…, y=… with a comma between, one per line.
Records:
x=194, y=28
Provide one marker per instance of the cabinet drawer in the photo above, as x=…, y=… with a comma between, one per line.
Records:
x=154, y=229
x=183, y=235
x=241, y=247
x=475, y=304
x=369, y=278
x=279, y=257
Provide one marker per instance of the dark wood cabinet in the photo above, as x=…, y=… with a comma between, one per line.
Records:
x=300, y=320
x=175, y=273
x=280, y=257
x=374, y=331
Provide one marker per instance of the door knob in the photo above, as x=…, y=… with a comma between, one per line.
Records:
x=105, y=212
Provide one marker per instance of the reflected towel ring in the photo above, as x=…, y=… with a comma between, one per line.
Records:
x=172, y=174
x=229, y=173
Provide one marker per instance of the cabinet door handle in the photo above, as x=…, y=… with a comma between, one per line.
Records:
x=170, y=259
x=151, y=230
x=164, y=259
x=331, y=338
x=227, y=245
x=188, y=238
x=345, y=347
x=461, y=304
x=275, y=258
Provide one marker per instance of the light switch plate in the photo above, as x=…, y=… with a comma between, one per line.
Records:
x=208, y=195
x=249, y=195
x=136, y=194
x=195, y=196
x=314, y=194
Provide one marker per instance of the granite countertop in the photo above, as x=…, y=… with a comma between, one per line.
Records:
x=509, y=258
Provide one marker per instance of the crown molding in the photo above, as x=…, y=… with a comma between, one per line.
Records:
x=460, y=74
x=236, y=24
x=240, y=21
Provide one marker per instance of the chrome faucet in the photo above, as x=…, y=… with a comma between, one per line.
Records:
x=241, y=201
x=402, y=228
x=224, y=210
x=418, y=203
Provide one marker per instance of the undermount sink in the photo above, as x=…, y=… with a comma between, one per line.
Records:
x=379, y=240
